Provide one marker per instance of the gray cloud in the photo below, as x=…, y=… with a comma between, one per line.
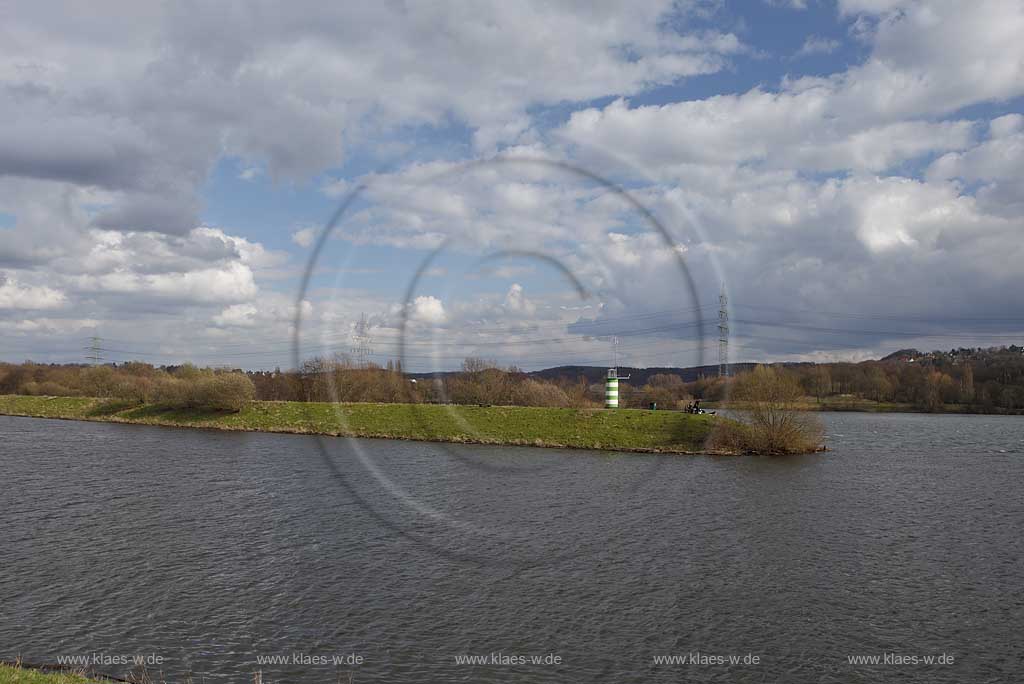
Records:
x=805, y=194
x=81, y=150
x=151, y=212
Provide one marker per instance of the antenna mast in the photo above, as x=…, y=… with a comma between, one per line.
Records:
x=723, y=334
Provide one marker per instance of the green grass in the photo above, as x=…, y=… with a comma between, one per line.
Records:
x=619, y=430
x=832, y=404
x=850, y=403
x=10, y=674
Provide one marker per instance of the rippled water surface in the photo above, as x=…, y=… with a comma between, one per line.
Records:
x=213, y=550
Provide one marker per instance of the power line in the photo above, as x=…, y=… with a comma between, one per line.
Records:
x=879, y=333
x=568, y=354
x=723, y=334
x=95, y=349
x=582, y=334
x=886, y=317
x=592, y=328
x=431, y=344
x=575, y=338
x=361, y=342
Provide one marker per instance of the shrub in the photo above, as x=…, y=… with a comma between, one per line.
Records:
x=222, y=392
x=46, y=389
x=532, y=393
x=98, y=381
x=133, y=388
x=772, y=424
x=204, y=391
x=171, y=392
x=188, y=371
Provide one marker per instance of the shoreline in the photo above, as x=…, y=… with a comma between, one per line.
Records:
x=865, y=406
x=622, y=430
x=48, y=673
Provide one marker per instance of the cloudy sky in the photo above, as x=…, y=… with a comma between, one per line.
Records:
x=520, y=181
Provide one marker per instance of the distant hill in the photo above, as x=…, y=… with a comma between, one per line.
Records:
x=640, y=376
x=637, y=376
x=903, y=355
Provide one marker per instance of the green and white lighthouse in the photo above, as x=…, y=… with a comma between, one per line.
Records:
x=611, y=383
x=611, y=389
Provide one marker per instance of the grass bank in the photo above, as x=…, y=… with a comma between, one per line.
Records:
x=13, y=674
x=855, y=404
x=618, y=430
x=832, y=404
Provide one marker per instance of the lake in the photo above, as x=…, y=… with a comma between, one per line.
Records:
x=222, y=554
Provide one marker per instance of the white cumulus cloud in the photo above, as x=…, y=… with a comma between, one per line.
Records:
x=14, y=295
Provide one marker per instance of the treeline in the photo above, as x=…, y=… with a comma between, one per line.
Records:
x=972, y=380
x=478, y=382
x=326, y=380
x=980, y=380
x=182, y=387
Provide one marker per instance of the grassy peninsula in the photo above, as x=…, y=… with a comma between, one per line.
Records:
x=13, y=674
x=617, y=430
